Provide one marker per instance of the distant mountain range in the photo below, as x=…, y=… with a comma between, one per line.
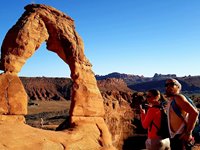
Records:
x=46, y=88
x=190, y=84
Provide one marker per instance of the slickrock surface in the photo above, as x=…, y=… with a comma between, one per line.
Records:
x=15, y=135
x=39, y=24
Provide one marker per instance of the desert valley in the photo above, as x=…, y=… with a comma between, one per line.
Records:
x=49, y=102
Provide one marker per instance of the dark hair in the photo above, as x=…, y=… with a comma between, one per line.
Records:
x=154, y=92
x=163, y=100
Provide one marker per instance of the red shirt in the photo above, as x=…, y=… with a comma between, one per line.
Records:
x=153, y=114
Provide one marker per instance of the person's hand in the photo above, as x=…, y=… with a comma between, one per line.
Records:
x=142, y=111
x=188, y=138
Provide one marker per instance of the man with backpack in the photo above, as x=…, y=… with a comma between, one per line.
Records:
x=180, y=125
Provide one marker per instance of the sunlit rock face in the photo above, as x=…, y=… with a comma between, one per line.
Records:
x=13, y=97
x=39, y=24
x=119, y=114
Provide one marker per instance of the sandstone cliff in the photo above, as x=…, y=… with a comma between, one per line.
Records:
x=42, y=88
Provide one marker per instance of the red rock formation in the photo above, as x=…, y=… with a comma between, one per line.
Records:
x=118, y=118
x=39, y=24
x=43, y=88
x=13, y=97
x=119, y=113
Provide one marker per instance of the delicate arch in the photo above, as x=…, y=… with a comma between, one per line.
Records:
x=39, y=24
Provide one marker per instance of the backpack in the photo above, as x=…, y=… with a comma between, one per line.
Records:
x=177, y=110
x=163, y=131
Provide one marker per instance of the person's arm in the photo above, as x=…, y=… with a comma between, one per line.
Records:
x=183, y=103
x=146, y=118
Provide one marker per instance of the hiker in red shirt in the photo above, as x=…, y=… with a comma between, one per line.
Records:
x=153, y=116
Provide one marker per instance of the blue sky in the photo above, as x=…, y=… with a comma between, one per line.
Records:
x=140, y=37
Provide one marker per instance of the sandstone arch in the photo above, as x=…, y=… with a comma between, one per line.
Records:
x=39, y=24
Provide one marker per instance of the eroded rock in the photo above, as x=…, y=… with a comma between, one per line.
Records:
x=13, y=97
x=39, y=24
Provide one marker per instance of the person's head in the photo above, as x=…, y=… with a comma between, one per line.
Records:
x=153, y=96
x=172, y=87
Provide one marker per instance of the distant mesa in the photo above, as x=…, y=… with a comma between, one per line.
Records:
x=159, y=76
x=190, y=83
